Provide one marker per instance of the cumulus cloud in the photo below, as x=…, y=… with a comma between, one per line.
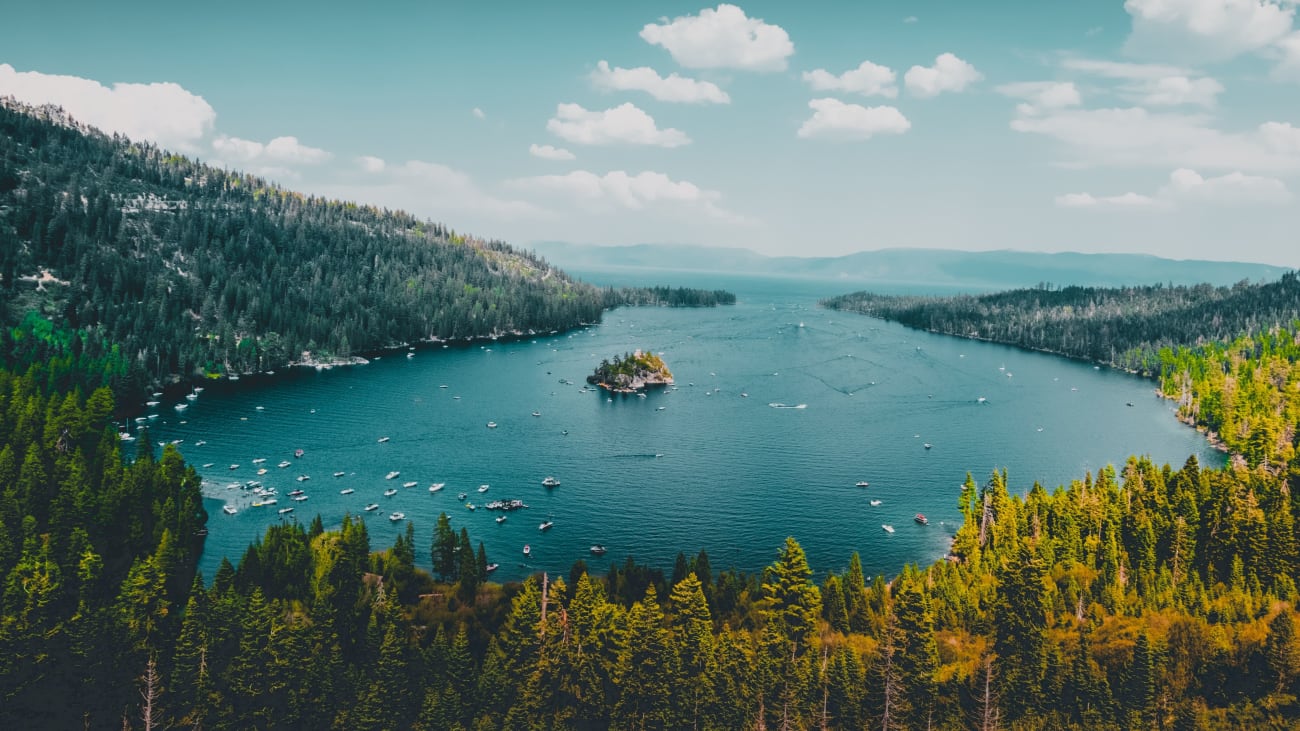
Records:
x=722, y=38
x=1042, y=96
x=674, y=88
x=548, y=152
x=1136, y=136
x=833, y=119
x=371, y=164
x=478, y=113
x=1288, y=67
x=1234, y=187
x=281, y=150
x=624, y=124
x=948, y=73
x=868, y=79
x=1153, y=84
x=618, y=189
x=1131, y=201
x=910, y=19
x=163, y=113
x=1209, y=29
x=1188, y=187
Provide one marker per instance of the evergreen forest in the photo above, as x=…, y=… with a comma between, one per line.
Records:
x=1140, y=597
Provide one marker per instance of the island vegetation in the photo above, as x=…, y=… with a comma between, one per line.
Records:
x=1149, y=596
x=631, y=372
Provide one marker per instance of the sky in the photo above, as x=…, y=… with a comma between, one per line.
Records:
x=1166, y=127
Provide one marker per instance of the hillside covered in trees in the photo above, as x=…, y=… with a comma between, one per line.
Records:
x=1123, y=326
x=189, y=270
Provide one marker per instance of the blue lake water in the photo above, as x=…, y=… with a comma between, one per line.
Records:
x=708, y=465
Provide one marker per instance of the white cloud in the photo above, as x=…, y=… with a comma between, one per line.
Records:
x=625, y=123
x=1188, y=187
x=478, y=113
x=833, y=119
x=1288, y=68
x=282, y=150
x=910, y=19
x=1135, y=136
x=722, y=38
x=1153, y=84
x=548, y=152
x=674, y=88
x=437, y=191
x=868, y=79
x=1209, y=29
x=371, y=164
x=1234, y=187
x=1042, y=96
x=1131, y=201
x=619, y=190
x=948, y=73
x=164, y=113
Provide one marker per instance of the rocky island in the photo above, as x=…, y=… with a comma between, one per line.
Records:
x=631, y=373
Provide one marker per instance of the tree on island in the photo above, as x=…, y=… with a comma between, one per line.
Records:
x=631, y=372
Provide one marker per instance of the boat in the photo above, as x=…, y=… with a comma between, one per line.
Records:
x=471, y=506
x=537, y=413
x=264, y=502
x=259, y=408
x=546, y=525
x=874, y=503
x=230, y=509
x=928, y=445
x=346, y=491
x=262, y=471
x=338, y=474
x=501, y=519
x=298, y=453
x=981, y=400
x=397, y=516
x=383, y=439
x=443, y=386
x=491, y=425
x=862, y=483
x=410, y=355
x=460, y=496
x=550, y=482
x=660, y=408
x=191, y=397
x=777, y=405
x=207, y=465
x=295, y=493
x=283, y=464
x=198, y=389
x=300, y=498
x=303, y=478
x=920, y=518
x=151, y=404
x=125, y=436
x=410, y=484
x=234, y=466
x=179, y=407
x=437, y=486
x=888, y=528
x=372, y=507
x=483, y=488
x=259, y=460
x=527, y=550
x=200, y=442
x=391, y=475
x=598, y=550
x=285, y=510
x=153, y=416
x=491, y=567
x=390, y=492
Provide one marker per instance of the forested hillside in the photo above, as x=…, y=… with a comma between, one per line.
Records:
x=190, y=270
x=1124, y=326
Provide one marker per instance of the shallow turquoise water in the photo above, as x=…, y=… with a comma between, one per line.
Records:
x=709, y=465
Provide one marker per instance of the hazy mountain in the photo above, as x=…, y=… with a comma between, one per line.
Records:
x=985, y=269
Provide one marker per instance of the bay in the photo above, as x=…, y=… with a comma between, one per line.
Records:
x=708, y=465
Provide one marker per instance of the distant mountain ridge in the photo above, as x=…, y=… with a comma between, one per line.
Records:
x=984, y=269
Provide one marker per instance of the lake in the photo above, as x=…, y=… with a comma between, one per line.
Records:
x=709, y=464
